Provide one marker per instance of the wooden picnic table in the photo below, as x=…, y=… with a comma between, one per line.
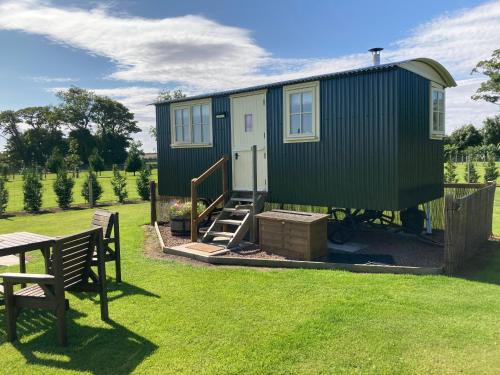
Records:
x=19, y=243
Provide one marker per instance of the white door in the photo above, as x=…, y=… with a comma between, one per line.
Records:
x=248, y=128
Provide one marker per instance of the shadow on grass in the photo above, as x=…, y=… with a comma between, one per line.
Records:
x=485, y=265
x=115, y=291
x=114, y=349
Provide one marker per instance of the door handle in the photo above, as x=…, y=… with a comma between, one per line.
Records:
x=236, y=156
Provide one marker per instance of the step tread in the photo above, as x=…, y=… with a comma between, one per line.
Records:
x=236, y=210
x=236, y=199
x=230, y=221
x=220, y=234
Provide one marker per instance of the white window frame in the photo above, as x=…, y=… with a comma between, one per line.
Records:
x=189, y=106
x=436, y=134
x=312, y=87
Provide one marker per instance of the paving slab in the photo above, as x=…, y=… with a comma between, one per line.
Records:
x=348, y=247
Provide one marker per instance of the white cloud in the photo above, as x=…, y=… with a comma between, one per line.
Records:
x=461, y=109
x=203, y=55
x=45, y=79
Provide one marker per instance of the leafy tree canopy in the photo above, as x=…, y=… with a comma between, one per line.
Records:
x=489, y=90
x=491, y=130
x=466, y=136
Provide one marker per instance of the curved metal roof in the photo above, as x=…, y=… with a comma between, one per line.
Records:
x=433, y=64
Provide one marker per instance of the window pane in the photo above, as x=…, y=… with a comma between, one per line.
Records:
x=205, y=113
x=307, y=101
x=178, y=116
x=197, y=133
x=441, y=102
x=185, y=117
x=441, y=121
x=307, y=123
x=178, y=133
x=295, y=124
x=295, y=103
x=205, y=134
x=248, y=123
x=435, y=121
x=196, y=113
x=434, y=100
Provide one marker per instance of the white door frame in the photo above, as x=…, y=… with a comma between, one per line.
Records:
x=261, y=148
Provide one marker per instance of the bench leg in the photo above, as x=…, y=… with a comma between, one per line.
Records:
x=117, y=249
x=118, y=265
x=22, y=266
x=10, y=313
x=62, y=334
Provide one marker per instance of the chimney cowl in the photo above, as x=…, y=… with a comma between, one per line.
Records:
x=376, y=55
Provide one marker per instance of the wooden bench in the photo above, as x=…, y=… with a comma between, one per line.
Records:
x=109, y=222
x=70, y=267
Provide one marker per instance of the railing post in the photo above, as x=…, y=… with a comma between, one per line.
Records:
x=194, y=212
x=254, y=235
x=225, y=180
x=152, y=189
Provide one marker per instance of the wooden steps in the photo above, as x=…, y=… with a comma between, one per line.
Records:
x=233, y=222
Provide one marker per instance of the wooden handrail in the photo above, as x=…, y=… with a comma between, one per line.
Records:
x=195, y=218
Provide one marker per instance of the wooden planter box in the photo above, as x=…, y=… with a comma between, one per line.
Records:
x=296, y=235
x=180, y=225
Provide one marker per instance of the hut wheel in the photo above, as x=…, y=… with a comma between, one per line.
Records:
x=382, y=219
x=342, y=226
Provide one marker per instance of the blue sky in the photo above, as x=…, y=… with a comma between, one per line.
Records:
x=130, y=49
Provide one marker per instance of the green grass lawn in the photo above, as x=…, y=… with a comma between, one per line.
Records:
x=15, y=188
x=173, y=317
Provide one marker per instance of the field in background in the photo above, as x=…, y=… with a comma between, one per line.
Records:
x=49, y=199
x=15, y=188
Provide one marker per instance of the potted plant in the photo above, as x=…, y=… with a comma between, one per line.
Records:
x=180, y=217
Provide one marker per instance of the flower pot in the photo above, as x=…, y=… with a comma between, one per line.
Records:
x=180, y=225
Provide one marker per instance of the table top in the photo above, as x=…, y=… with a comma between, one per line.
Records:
x=22, y=241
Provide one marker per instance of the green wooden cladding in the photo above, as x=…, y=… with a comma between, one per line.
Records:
x=374, y=150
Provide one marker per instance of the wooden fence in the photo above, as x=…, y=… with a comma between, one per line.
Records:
x=468, y=223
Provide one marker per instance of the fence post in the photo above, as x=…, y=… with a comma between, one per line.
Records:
x=152, y=188
x=91, y=191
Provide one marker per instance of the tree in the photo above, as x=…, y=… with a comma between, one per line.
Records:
x=96, y=188
x=96, y=163
x=489, y=90
x=466, y=136
x=166, y=95
x=86, y=142
x=32, y=189
x=4, y=196
x=55, y=161
x=10, y=130
x=142, y=182
x=119, y=184
x=76, y=107
x=112, y=117
x=471, y=175
x=63, y=187
x=134, y=159
x=450, y=151
x=450, y=173
x=4, y=170
x=490, y=170
x=491, y=130
x=73, y=159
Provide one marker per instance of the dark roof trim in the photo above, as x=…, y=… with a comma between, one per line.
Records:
x=440, y=70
